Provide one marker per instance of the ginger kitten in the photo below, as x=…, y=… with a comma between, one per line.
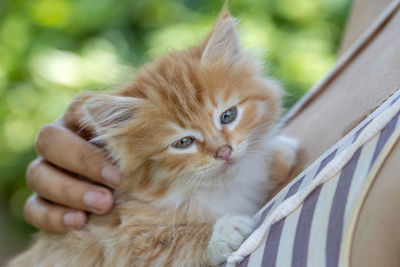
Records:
x=195, y=135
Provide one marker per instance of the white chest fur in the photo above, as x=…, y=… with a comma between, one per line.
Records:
x=244, y=193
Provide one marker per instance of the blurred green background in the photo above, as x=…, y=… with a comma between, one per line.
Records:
x=50, y=50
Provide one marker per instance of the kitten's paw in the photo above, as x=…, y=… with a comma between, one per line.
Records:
x=284, y=158
x=228, y=234
x=287, y=147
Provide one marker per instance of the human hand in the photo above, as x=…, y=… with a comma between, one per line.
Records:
x=60, y=199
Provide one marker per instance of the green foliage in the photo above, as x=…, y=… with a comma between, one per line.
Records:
x=52, y=49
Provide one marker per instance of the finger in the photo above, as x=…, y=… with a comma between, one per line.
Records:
x=55, y=185
x=52, y=218
x=63, y=148
x=74, y=114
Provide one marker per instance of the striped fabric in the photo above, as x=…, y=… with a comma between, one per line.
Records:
x=309, y=223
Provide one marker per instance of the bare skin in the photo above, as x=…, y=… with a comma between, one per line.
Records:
x=60, y=199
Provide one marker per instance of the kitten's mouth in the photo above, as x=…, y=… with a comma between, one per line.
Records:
x=228, y=164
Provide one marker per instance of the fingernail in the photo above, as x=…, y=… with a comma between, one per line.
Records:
x=112, y=175
x=96, y=201
x=74, y=220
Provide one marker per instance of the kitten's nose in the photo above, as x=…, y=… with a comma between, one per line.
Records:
x=223, y=152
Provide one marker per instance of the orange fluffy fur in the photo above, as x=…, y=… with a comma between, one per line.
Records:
x=170, y=201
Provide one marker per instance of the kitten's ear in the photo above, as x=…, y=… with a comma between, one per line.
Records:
x=107, y=112
x=223, y=40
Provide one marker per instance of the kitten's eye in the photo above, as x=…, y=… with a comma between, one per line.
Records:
x=184, y=142
x=228, y=116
